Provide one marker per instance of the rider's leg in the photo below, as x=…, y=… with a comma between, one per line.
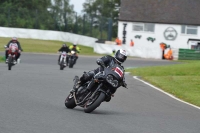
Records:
x=18, y=55
x=84, y=78
x=59, y=59
x=87, y=76
x=67, y=60
x=6, y=55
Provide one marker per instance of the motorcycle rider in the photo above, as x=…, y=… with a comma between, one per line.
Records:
x=119, y=58
x=75, y=48
x=14, y=41
x=66, y=49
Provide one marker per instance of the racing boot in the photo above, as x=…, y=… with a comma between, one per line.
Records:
x=6, y=61
x=65, y=64
x=14, y=62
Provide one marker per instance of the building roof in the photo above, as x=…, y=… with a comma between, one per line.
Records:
x=161, y=11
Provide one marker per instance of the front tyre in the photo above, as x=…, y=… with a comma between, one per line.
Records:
x=71, y=63
x=94, y=102
x=9, y=63
x=62, y=65
x=70, y=102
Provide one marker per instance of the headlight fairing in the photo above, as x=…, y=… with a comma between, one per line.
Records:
x=110, y=79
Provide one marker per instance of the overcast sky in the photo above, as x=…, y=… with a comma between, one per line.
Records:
x=77, y=5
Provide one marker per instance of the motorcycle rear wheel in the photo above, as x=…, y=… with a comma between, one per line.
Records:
x=70, y=102
x=92, y=104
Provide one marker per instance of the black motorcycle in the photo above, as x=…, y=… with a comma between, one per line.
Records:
x=72, y=59
x=99, y=89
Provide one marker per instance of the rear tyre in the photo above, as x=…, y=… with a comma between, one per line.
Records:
x=94, y=103
x=70, y=102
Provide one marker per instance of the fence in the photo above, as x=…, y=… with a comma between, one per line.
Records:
x=189, y=54
x=86, y=24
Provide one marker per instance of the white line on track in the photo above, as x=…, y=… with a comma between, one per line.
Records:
x=135, y=77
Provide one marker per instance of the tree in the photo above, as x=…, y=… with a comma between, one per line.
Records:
x=101, y=11
x=63, y=13
x=24, y=13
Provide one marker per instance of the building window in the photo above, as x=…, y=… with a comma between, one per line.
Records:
x=147, y=27
x=192, y=30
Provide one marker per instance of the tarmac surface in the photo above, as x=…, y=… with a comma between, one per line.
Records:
x=32, y=99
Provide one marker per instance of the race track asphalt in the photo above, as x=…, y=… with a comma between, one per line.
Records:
x=32, y=99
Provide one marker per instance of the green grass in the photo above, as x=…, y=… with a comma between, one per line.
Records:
x=181, y=80
x=44, y=46
x=1, y=59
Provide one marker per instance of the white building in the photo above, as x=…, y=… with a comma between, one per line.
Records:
x=150, y=22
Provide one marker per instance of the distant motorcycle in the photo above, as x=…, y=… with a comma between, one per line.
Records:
x=72, y=59
x=12, y=53
x=62, y=61
x=99, y=89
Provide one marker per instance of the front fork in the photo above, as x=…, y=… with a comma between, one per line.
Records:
x=62, y=58
x=13, y=57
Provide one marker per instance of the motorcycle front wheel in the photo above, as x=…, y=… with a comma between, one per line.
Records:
x=9, y=63
x=71, y=63
x=70, y=102
x=61, y=65
x=93, y=103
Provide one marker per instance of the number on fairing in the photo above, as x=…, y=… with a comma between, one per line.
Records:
x=119, y=71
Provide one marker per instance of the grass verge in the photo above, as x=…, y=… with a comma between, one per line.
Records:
x=1, y=59
x=180, y=80
x=44, y=46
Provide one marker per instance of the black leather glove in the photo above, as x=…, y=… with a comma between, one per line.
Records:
x=100, y=62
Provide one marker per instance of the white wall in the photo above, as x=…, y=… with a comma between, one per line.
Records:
x=142, y=48
x=137, y=51
x=179, y=42
x=47, y=35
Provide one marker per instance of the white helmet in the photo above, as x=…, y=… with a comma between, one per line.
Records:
x=121, y=56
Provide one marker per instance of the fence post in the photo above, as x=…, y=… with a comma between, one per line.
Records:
x=36, y=19
x=109, y=29
x=91, y=25
x=8, y=16
x=83, y=32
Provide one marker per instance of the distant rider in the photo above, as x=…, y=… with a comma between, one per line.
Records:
x=66, y=49
x=75, y=48
x=13, y=42
x=106, y=61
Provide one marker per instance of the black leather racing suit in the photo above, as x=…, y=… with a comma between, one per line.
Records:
x=103, y=61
